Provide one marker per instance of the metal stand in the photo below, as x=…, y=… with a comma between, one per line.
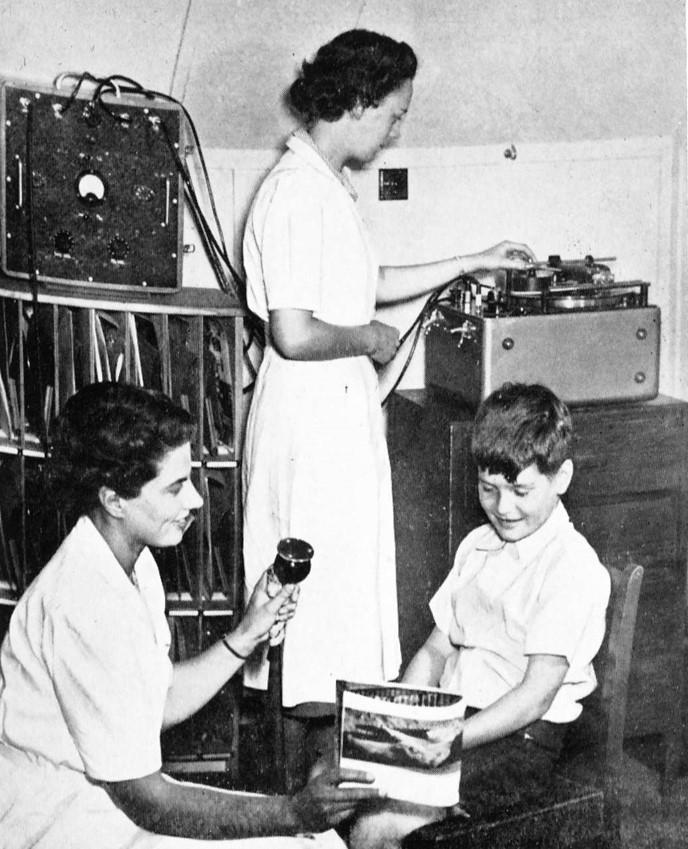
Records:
x=275, y=718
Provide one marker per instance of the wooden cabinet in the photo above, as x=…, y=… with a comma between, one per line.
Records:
x=628, y=497
x=188, y=344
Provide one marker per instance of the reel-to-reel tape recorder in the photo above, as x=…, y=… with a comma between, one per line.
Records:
x=565, y=323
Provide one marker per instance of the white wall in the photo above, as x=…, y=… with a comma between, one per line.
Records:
x=608, y=198
x=614, y=198
x=592, y=94
x=40, y=40
x=491, y=71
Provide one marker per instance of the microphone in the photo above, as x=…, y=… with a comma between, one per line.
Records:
x=293, y=561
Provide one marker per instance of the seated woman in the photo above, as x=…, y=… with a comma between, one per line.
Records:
x=86, y=684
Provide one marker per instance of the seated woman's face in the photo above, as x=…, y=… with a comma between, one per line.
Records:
x=163, y=510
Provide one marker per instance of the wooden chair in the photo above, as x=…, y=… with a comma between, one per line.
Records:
x=579, y=806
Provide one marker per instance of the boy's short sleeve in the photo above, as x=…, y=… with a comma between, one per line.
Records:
x=569, y=617
x=441, y=602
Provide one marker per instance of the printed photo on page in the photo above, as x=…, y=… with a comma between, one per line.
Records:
x=408, y=737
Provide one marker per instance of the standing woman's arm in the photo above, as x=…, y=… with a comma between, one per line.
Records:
x=298, y=335
x=401, y=283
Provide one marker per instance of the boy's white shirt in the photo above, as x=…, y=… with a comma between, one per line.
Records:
x=501, y=602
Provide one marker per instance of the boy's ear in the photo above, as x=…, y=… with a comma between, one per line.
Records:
x=357, y=110
x=110, y=502
x=563, y=476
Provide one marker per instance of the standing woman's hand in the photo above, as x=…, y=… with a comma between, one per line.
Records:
x=385, y=342
x=504, y=255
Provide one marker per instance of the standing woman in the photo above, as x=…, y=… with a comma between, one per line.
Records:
x=316, y=463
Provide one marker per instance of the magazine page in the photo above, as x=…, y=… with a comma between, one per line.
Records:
x=409, y=738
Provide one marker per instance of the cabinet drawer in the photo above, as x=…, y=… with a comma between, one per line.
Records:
x=629, y=449
x=646, y=527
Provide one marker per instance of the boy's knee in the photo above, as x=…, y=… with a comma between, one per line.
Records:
x=385, y=825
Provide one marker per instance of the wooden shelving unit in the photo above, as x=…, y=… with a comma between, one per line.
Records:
x=187, y=343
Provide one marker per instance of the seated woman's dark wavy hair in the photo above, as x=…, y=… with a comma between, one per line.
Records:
x=113, y=435
x=357, y=68
x=520, y=424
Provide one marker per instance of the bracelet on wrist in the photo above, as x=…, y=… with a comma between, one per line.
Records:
x=225, y=643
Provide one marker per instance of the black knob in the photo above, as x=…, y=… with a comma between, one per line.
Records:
x=63, y=242
x=118, y=249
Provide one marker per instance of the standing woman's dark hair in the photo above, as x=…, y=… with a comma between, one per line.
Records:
x=357, y=68
x=111, y=434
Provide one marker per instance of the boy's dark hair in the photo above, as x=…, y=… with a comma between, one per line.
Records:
x=356, y=68
x=520, y=424
x=111, y=434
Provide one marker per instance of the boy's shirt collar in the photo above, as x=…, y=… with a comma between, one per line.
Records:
x=527, y=548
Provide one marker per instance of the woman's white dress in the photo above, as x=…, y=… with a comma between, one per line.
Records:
x=315, y=459
x=84, y=678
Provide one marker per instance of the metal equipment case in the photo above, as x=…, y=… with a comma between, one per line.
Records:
x=605, y=355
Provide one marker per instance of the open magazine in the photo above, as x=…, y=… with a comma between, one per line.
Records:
x=409, y=738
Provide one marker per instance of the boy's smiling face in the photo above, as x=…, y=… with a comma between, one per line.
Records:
x=516, y=510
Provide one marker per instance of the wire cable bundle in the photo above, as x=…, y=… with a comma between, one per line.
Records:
x=436, y=297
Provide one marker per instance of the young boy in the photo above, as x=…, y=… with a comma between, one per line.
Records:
x=519, y=618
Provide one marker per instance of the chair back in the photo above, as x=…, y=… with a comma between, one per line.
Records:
x=604, y=712
x=615, y=664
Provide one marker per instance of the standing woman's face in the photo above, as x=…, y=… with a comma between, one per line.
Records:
x=378, y=126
